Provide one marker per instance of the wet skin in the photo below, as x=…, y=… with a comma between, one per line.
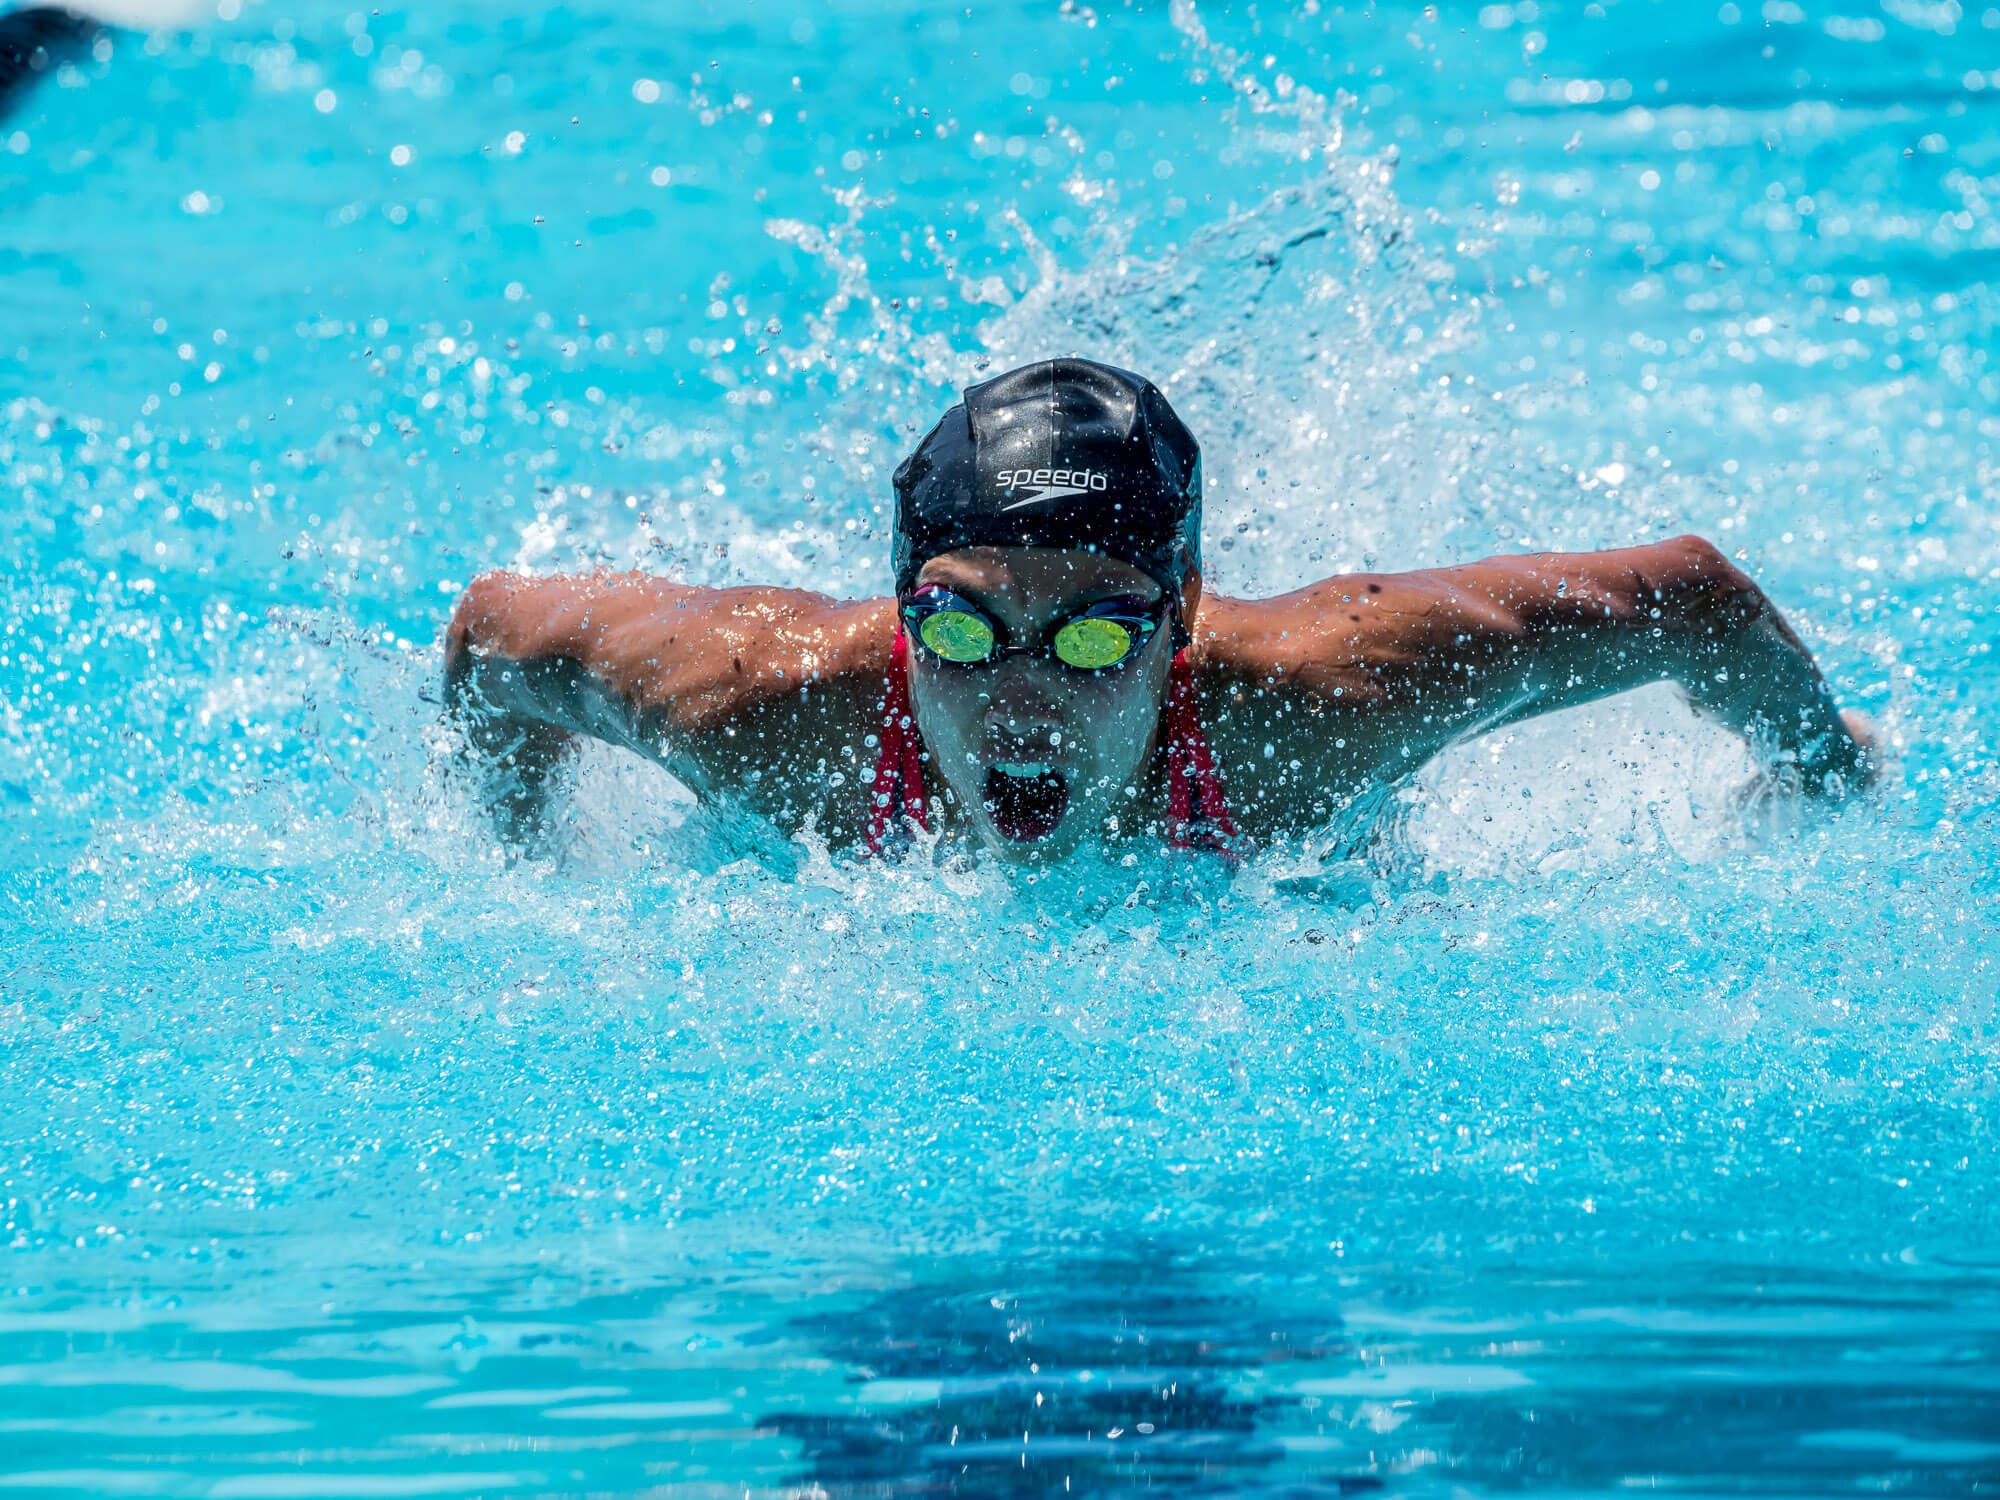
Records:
x=766, y=696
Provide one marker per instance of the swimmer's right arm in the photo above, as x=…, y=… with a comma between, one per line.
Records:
x=516, y=684
x=731, y=689
x=1469, y=648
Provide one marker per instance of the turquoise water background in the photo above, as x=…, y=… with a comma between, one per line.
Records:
x=1606, y=1123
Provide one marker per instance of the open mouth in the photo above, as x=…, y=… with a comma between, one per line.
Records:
x=1026, y=800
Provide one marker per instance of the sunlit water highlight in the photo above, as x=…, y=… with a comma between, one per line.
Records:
x=1591, y=1120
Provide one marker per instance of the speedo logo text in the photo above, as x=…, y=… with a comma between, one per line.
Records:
x=1049, y=484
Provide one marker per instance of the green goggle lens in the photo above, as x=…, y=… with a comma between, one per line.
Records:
x=957, y=635
x=1092, y=642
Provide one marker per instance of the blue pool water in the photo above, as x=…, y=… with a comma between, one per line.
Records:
x=1601, y=1124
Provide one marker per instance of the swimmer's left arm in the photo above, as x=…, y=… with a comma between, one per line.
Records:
x=1439, y=655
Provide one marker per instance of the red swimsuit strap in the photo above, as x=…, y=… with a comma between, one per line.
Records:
x=1198, y=812
x=899, y=770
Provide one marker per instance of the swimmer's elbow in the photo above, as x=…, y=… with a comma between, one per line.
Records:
x=484, y=619
x=501, y=654
x=1705, y=588
x=1696, y=559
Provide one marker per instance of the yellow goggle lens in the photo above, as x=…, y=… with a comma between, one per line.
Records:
x=1093, y=642
x=957, y=635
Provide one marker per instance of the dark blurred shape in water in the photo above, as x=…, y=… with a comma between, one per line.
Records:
x=33, y=40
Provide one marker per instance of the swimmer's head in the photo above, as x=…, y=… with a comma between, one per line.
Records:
x=1066, y=454
x=1060, y=493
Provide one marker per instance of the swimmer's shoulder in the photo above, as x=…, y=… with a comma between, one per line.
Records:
x=1312, y=698
x=1317, y=645
x=1291, y=702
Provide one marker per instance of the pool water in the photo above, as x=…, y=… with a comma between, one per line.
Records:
x=1591, y=1119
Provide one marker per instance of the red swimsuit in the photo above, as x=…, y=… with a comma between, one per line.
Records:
x=1198, y=813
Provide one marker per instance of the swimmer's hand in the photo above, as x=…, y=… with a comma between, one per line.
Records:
x=1861, y=729
x=1867, y=738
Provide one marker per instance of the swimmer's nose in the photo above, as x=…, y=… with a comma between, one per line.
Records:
x=1017, y=711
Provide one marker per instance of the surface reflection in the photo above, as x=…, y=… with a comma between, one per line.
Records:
x=1077, y=1385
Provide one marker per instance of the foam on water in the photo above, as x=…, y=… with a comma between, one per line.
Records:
x=1585, y=1096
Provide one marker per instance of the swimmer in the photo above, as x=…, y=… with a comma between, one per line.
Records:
x=1051, y=671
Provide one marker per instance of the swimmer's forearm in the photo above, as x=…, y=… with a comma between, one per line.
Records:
x=1683, y=611
x=500, y=711
x=515, y=748
x=518, y=696
x=1567, y=629
x=1694, y=617
x=519, y=761
x=496, y=675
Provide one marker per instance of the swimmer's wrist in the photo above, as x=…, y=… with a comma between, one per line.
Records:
x=514, y=763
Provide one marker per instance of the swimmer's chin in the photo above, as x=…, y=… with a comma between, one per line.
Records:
x=1058, y=844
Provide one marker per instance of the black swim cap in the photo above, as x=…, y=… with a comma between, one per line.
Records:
x=1064, y=453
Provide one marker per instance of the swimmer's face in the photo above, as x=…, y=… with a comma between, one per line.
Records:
x=1038, y=755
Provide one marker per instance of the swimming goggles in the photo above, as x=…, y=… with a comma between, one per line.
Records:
x=1107, y=634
